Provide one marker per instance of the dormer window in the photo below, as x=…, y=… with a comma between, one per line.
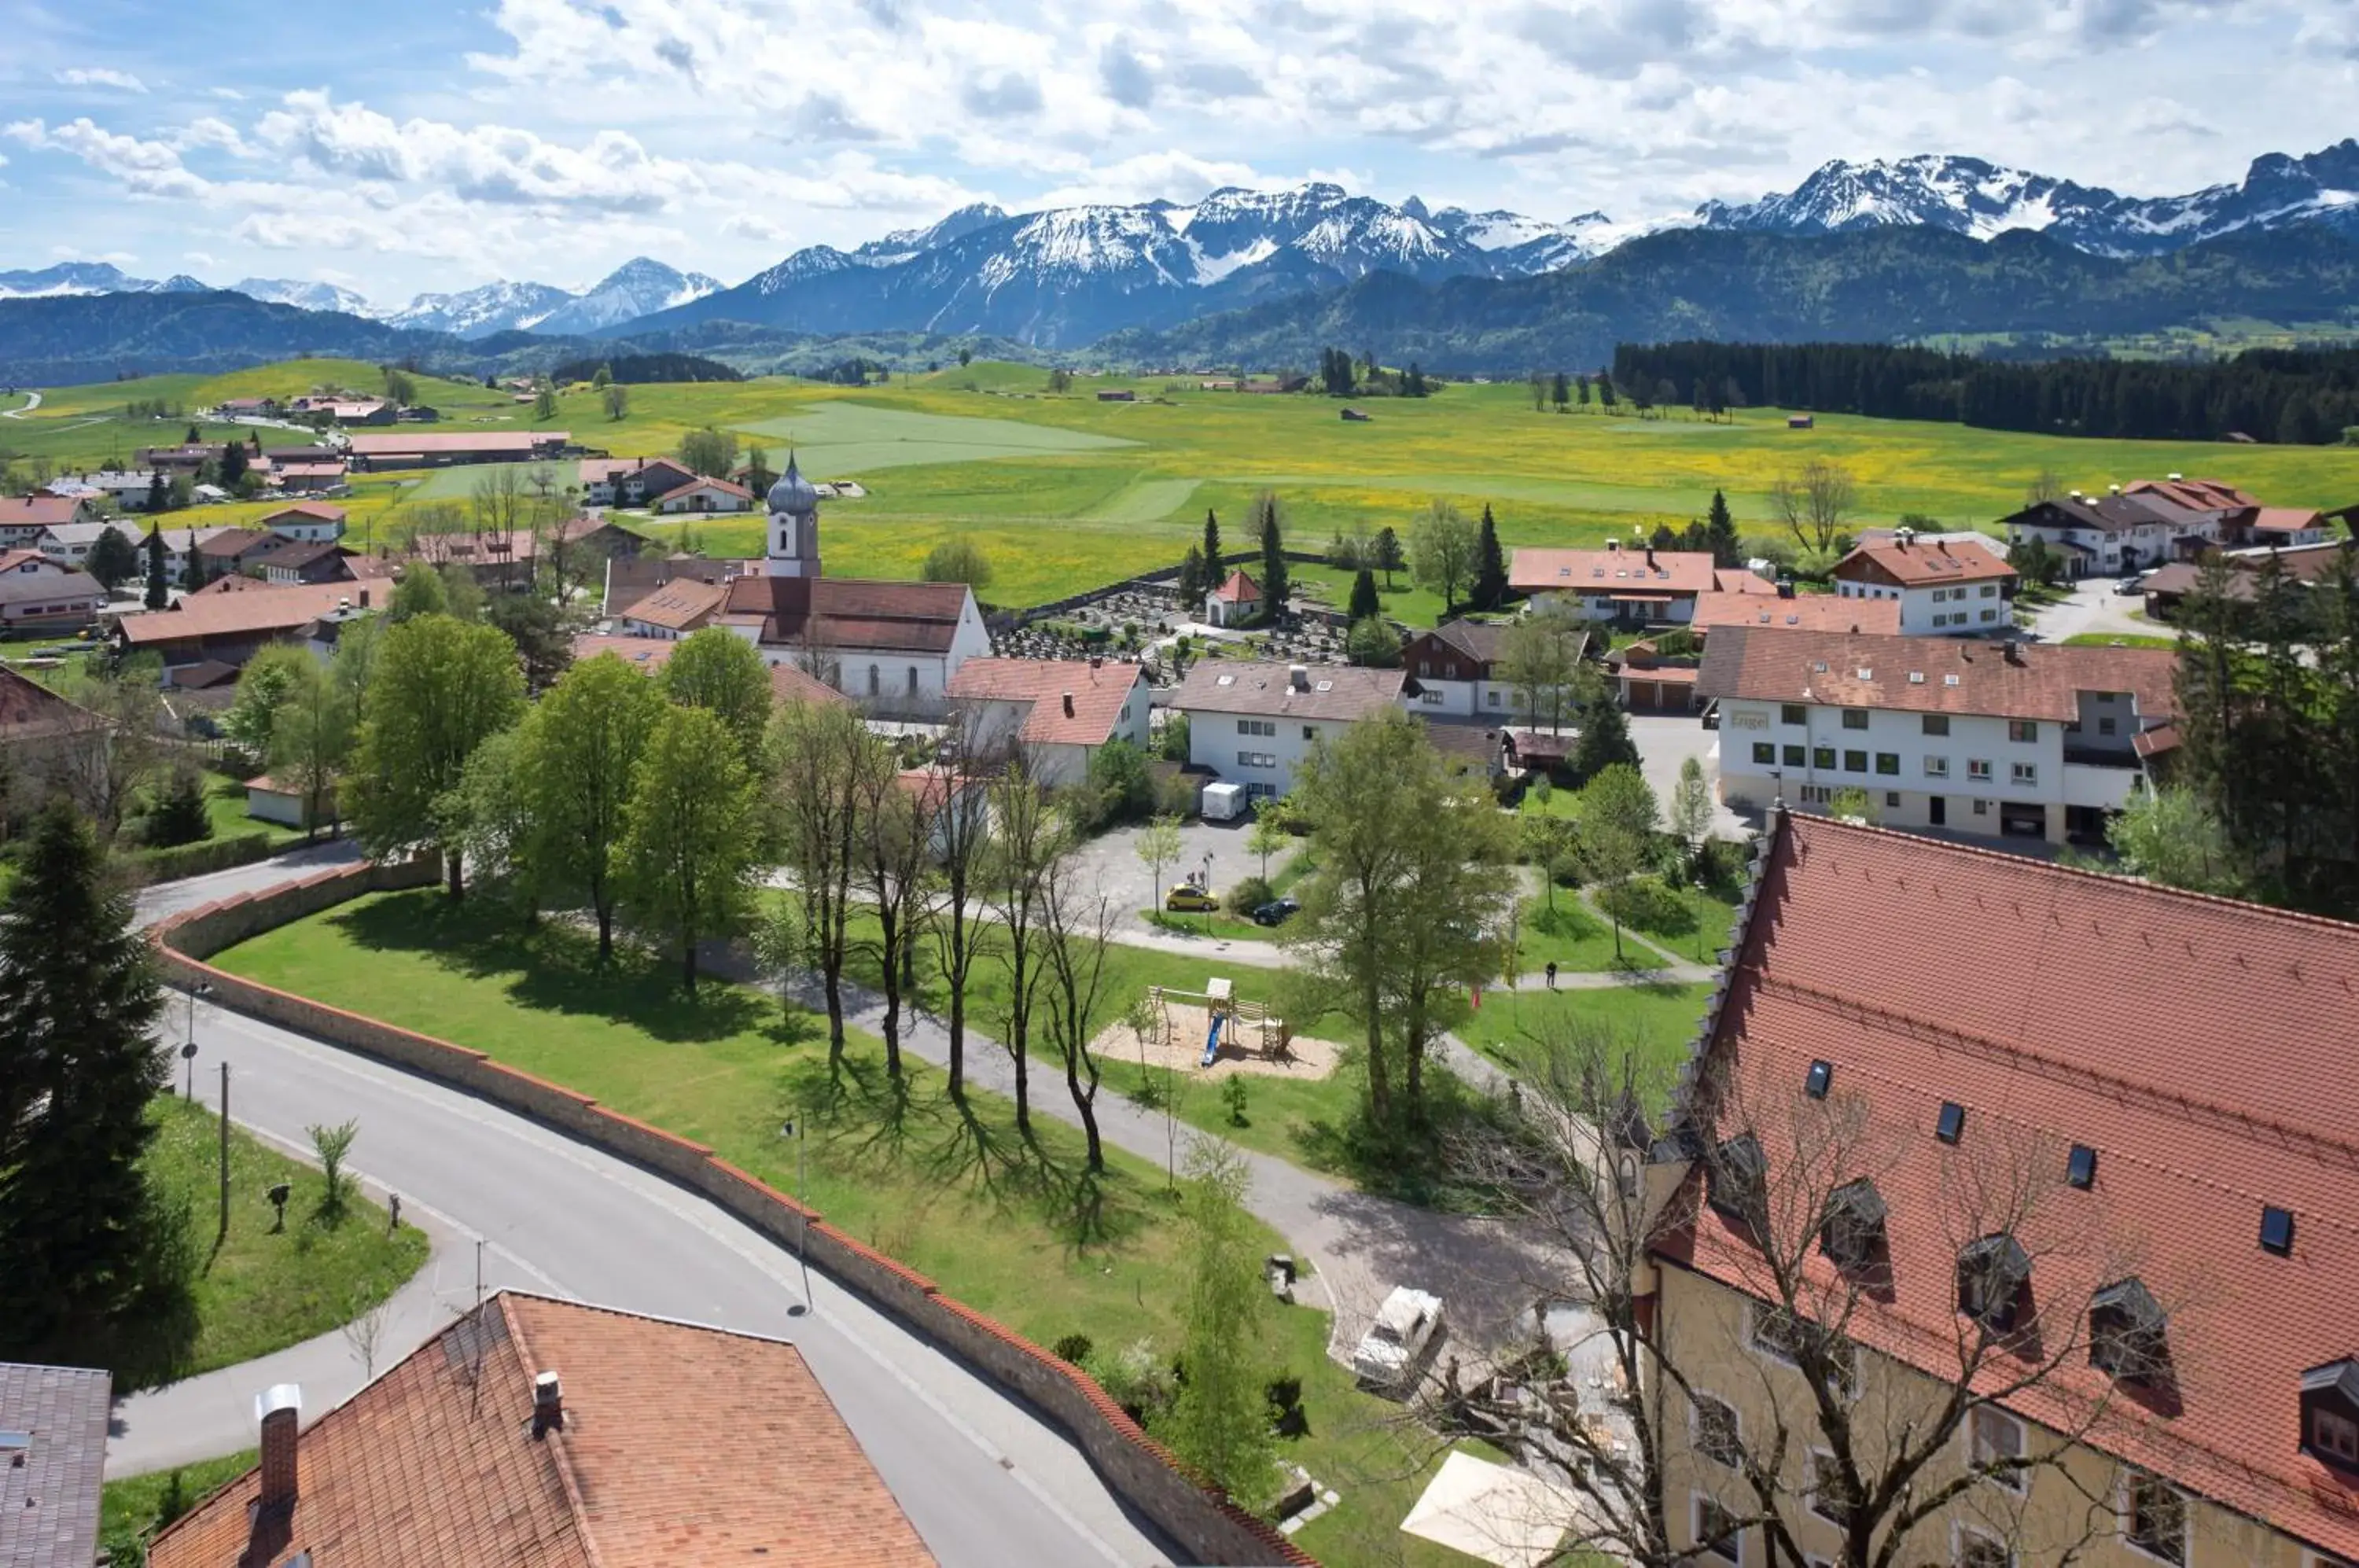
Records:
x=1852, y=1234
x=1737, y=1178
x=1993, y=1276
x=2330, y=1414
x=2126, y=1336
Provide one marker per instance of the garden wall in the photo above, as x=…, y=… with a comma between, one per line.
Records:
x=1140, y=1470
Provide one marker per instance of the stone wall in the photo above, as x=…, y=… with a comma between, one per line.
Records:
x=1138, y=1469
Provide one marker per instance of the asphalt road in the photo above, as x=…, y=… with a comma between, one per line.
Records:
x=984, y=1481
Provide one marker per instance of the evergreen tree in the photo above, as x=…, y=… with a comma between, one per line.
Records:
x=1604, y=730
x=233, y=466
x=1561, y=393
x=193, y=576
x=1268, y=528
x=1365, y=603
x=1212, y=541
x=160, y=495
x=1191, y=585
x=159, y=586
x=1389, y=556
x=113, y=560
x=99, y=1266
x=1727, y=550
x=1581, y=390
x=1491, y=563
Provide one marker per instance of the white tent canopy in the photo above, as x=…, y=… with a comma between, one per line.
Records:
x=1508, y=1516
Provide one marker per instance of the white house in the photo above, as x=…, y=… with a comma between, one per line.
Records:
x=1637, y=586
x=309, y=522
x=69, y=544
x=2124, y=531
x=25, y=518
x=1059, y=710
x=1456, y=671
x=1945, y=586
x=1253, y=724
x=2006, y=739
x=630, y=481
x=1234, y=602
x=702, y=495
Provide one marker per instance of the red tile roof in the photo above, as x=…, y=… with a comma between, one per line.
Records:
x=237, y=606
x=1099, y=694
x=1921, y=563
x=1624, y=570
x=307, y=512
x=1735, y=581
x=27, y=708
x=681, y=604
x=24, y=511
x=700, y=482
x=2202, y=1048
x=1803, y=612
x=2195, y=494
x=680, y=1443
x=847, y=612
x=1240, y=589
x=2284, y=519
x=419, y=442
x=1931, y=675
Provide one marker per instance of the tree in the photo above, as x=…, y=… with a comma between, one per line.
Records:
x=1267, y=524
x=176, y=813
x=1853, y=803
x=1077, y=923
x=1212, y=541
x=194, y=575
x=113, y=560
x=311, y=739
x=233, y=466
x=160, y=587
x=1690, y=811
x=1815, y=506
x=420, y=592
x=958, y=560
x=2046, y=486
x=688, y=833
x=1364, y=602
x=2171, y=835
x=1389, y=557
x=776, y=938
x=262, y=686
x=1191, y=585
x=1119, y=787
x=99, y=1270
x=399, y=388
x=617, y=400
x=1539, y=660
x=817, y=754
x=963, y=847
x=1617, y=817
x=538, y=628
x=1727, y=549
x=1272, y=832
x=722, y=673
x=108, y=746
x=581, y=748
x=1371, y=644
x=1560, y=391
x=1158, y=847
x=1604, y=739
x=759, y=475
x=440, y=688
x=544, y=404
x=1444, y=552
x=1220, y=1422
x=1027, y=835
x=1490, y=565
x=1061, y=380
x=708, y=451
x=895, y=843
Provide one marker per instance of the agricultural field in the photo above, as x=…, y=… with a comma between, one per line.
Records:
x=1064, y=492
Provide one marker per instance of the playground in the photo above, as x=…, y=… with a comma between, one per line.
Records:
x=1216, y=1033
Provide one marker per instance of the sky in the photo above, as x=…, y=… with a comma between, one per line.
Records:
x=428, y=146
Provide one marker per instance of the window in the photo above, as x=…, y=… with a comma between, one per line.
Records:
x=2107, y=725
x=1493, y=698
x=1430, y=695
x=1855, y=718
x=2333, y=1435
x=1852, y=1234
x=1716, y=1435
x=1782, y=1336
x=2023, y=731
x=1992, y=1275
x=1892, y=799
x=2277, y=1231
x=2024, y=772
x=913, y=680
x=1995, y=1439
x=1976, y=1550
x=1716, y=1531
x=1935, y=724
x=1822, y=757
x=1425, y=667
x=1735, y=1176
x=1765, y=753
x=1990, y=590
x=1978, y=769
x=1951, y=1122
x=1888, y=763
x=875, y=680
x=1816, y=1081
x=2154, y=1518
x=1989, y=614
x=2127, y=1332
x=1797, y=756
x=1937, y=767
x=2081, y=1167
x=1854, y=762
x=1792, y=714
x=1830, y=1494
x=1309, y=732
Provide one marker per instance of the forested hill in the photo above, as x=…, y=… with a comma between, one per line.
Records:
x=1879, y=286
x=2297, y=396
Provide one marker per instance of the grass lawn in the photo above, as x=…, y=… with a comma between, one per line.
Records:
x=226, y=805
x=1575, y=938
x=133, y=1509
x=262, y=1291
x=1658, y=1020
x=1017, y=1229
x=1404, y=601
x=2119, y=639
x=1216, y=927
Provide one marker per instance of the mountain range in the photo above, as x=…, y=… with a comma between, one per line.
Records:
x=1242, y=274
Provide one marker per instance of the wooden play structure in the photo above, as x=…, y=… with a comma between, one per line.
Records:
x=1244, y=1026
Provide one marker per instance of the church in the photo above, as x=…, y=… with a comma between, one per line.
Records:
x=891, y=647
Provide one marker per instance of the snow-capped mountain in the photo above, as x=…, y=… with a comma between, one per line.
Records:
x=638, y=288
x=1065, y=275
x=76, y=278
x=1969, y=196
x=479, y=313
x=303, y=295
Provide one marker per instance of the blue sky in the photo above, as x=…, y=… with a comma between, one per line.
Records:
x=428, y=146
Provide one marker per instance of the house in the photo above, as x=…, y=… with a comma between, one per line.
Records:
x=631, y=578
x=649, y=654
x=1455, y=670
x=1650, y=679
x=1633, y=587
x=2130, y=529
x=232, y=408
x=1944, y=587
x=224, y=551
x=52, y=1464
x=702, y=494
x=228, y=620
x=313, y=478
x=29, y=562
x=38, y=602
x=593, y=539
x=630, y=481
x=1253, y=723
x=1117, y=394
x=1800, y=421
x=539, y=1433
x=680, y=607
x=348, y=410
x=305, y=560
x=129, y=491
x=2004, y=739
x=2166, y=588
x=312, y=522
x=268, y=800
x=1794, y=612
x=70, y=544
x=2059, y=1107
x=1060, y=710
x=406, y=449
x=1472, y=748
x=501, y=561
x=24, y=519
x=1235, y=603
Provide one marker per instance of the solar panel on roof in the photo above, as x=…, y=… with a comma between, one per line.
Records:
x=2081, y=1167
x=1950, y=1122
x=2277, y=1231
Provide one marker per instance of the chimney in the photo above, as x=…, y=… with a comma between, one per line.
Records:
x=1902, y=536
x=2112, y=489
x=1069, y=705
x=2011, y=651
x=364, y=604
x=2177, y=477
x=1650, y=557
x=1298, y=677
x=1613, y=544
x=279, y=1411
x=548, y=1405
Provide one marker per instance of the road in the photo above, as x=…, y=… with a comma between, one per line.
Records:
x=984, y=1481
x=32, y=401
x=2094, y=607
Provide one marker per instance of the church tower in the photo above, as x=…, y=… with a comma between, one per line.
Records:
x=794, y=524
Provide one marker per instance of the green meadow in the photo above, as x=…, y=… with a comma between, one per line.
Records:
x=1064, y=492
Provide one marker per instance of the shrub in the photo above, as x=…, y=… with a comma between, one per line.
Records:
x=1121, y=788
x=1248, y=894
x=1652, y=905
x=1134, y=1378
x=196, y=859
x=178, y=815
x=1073, y=1349
x=1234, y=1095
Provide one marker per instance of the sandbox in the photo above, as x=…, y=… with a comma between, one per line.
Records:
x=1179, y=1045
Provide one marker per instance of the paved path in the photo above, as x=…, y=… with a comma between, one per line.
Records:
x=982, y=1478
x=2094, y=607
x=32, y=401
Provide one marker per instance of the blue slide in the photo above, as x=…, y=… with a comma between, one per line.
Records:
x=1212, y=1042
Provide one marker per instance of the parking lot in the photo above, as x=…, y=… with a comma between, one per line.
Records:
x=1217, y=846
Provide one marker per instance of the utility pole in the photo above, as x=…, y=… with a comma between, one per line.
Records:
x=794, y=1129
x=225, y=1153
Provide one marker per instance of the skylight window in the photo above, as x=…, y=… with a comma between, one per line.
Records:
x=1227, y=681
x=1948, y=680
x=2277, y=1231
x=1815, y=1082
x=1916, y=678
x=1950, y=1122
x=1326, y=686
x=2081, y=1167
x=1865, y=673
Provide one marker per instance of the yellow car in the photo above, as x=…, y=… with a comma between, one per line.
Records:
x=1186, y=896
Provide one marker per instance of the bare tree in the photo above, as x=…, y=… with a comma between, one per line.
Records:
x=1027, y=831
x=1541, y=656
x=1815, y=505
x=819, y=753
x=962, y=844
x=895, y=838
x=1077, y=921
x=106, y=746
x=1813, y=1429
x=2046, y=486
x=363, y=1333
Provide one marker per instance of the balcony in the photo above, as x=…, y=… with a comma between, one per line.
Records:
x=2100, y=757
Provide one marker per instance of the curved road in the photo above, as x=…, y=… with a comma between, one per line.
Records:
x=982, y=1478
x=32, y=401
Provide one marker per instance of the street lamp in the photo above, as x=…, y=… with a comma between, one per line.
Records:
x=793, y=1128
x=189, y=1046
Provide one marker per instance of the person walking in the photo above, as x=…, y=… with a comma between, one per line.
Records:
x=1552, y=973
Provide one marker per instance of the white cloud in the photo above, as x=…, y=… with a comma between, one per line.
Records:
x=200, y=258
x=99, y=76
